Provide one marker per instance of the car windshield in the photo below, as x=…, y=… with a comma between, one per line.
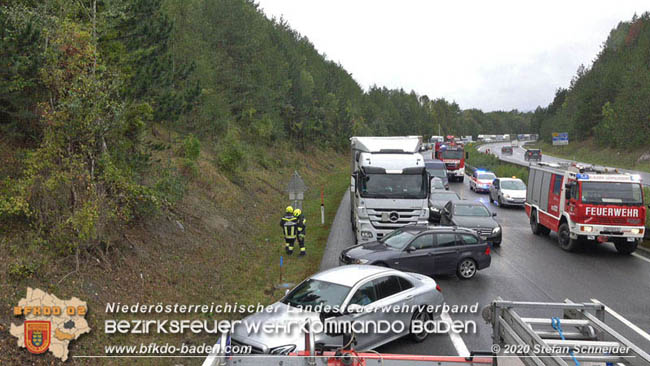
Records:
x=437, y=183
x=393, y=186
x=612, y=193
x=473, y=210
x=486, y=176
x=452, y=154
x=515, y=185
x=313, y=293
x=446, y=196
x=436, y=172
x=398, y=239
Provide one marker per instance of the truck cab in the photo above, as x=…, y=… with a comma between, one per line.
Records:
x=453, y=155
x=389, y=186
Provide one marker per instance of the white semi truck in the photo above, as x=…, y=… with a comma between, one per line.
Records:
x=389, y=186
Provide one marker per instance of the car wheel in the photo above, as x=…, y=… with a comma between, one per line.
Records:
x=496, y=244
x=564, y=238
x=461, y=179
x=499, y=201
x=466, y=269
x=625, y=247
x=422, y=316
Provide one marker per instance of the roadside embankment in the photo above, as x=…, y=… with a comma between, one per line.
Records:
x=220, y=242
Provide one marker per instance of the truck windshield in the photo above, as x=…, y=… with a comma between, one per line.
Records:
x=393, y=186
x=612, y=193
x=452, y=154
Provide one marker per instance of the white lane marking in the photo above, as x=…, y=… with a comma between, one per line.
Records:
x=641, y=257
x=620, y=317
x=456, y=339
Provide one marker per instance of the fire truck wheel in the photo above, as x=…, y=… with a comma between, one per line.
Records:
x=625, y=247
x=535, y=227
x=564, y=238
x=423, y=316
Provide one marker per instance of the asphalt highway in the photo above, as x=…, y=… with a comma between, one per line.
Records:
x=517, y=157
x=525, y=268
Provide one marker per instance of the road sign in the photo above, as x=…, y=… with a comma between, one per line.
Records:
x=296, y=189
x=560, y=138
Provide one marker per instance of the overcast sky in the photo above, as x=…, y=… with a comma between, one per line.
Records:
x=492, y=55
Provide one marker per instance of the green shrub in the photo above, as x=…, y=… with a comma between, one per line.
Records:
x=19, y=271
x=231, y=157
x=191, y=148
x=170, y=186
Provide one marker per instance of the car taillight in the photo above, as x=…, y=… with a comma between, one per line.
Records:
x=438, y=288
x=487, y=250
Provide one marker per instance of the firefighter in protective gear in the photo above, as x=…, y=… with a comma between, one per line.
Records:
x=289, y=224
x=301, y=224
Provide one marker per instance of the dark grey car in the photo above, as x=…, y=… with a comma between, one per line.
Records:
x=533, y=155
x=430, y=250
x=437, y=202
x=437, y=168
x=473, y=215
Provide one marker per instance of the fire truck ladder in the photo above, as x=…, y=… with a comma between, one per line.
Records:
x=577, y=336
x=313, y=357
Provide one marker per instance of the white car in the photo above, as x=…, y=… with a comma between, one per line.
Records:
x=481, y=181
x=508, y=192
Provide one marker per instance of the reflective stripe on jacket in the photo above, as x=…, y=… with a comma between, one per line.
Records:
x=289, y=225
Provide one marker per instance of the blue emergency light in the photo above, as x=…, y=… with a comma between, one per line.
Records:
x=582, y=176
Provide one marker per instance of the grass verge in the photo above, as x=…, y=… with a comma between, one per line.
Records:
x=479, y=160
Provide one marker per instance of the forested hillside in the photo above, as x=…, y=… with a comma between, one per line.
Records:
x=609, y=101
x=85, y=83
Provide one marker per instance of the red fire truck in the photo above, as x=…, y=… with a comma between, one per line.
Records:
x=586, y=204
x=453, y=155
